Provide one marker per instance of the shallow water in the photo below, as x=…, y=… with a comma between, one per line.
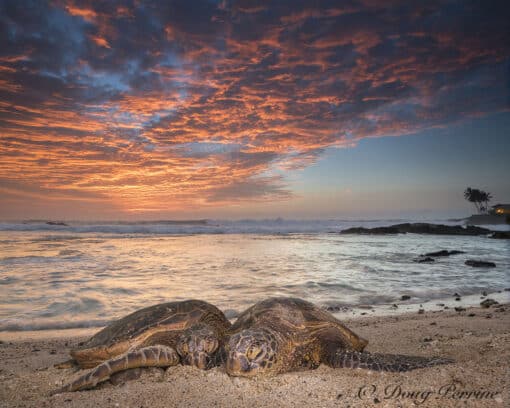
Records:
x=58, y=279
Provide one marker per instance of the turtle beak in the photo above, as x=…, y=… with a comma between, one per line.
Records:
x=237, y=364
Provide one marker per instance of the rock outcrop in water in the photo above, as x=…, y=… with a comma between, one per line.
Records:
x=420, y=228
x=501, y=235
x=443, y=252
x=480, y=264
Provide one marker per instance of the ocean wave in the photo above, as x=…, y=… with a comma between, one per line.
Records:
x=170, y=227
x=27, y=325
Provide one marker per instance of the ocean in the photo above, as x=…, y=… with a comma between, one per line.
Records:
x=86, y=274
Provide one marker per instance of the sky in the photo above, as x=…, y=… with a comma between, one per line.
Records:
x=252, y=109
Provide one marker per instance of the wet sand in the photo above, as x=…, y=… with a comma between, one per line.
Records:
x=479, y=343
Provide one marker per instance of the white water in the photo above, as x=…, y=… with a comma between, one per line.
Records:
x=86, y=274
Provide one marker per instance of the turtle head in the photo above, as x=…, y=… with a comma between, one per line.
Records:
x=251, y=352
x=199, y=346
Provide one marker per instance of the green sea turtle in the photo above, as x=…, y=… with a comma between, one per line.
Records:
x=285, y=334
x=190, y=332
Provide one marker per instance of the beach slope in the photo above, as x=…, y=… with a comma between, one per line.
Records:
x=478, y=339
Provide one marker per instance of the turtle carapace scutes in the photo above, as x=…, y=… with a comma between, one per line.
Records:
x=278, y=335
x=188, y=332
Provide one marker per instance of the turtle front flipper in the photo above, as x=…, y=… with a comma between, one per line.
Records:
x=153, y=356
x=71, y=363
x=381, y=362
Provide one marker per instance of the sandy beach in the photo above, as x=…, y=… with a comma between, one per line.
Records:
x=477, y=339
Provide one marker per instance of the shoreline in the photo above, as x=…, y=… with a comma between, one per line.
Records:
x=478, y=339
x=342, y=312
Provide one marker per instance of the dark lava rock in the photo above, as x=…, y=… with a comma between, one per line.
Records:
x=426, y=259
x=501, y=235
x=444, y=252
x=460, y=309
x=488, y=303
x=456, y=294
x=427, y=340
x=484, y=293
x=421, y=311
x=507, y=289
x=471, y=315
x=374, y=231
x=457, y=299
x=479, y=264
x=405, y=297
x=60, y=223
x=420, y=228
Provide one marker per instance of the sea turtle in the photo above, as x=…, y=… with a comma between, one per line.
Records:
x=190, y=332
x=286, y=334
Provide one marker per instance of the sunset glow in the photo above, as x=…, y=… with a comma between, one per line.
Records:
x=110, y=109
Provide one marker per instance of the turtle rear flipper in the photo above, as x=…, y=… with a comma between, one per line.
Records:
x=153, y=356
x=381, y=362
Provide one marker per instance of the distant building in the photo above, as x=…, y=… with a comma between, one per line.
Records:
x=500, y=209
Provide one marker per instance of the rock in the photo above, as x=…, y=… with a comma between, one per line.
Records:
x=460, y=309
x=426, y=259
x=479, y=264
x=371, y=231
x=507, y=289
x=59, y=223
x=456, y=294
x=457, y=299
x=471, y=315
x=484, y=293
x=440, y=304
x=421, y=311
x=444, y=252
x=427, y=339
x=500, y=235
x=420, y=228
x=488, y=303
x=433, y=324
x=405, y=297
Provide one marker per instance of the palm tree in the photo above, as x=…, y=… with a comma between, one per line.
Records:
x=478, y=197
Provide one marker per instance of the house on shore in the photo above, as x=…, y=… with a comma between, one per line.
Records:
x=500, y=209
x=498, y=214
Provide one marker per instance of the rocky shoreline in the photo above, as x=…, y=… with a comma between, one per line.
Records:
x=427, y=228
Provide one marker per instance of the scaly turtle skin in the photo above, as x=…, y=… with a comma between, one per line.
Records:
x=190, y=332
x=278, y=335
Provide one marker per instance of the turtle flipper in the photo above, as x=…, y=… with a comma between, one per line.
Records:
x=153, y=356
x=381, y=362
x=71, y=363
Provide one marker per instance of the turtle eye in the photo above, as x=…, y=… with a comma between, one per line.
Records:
x=253, y=352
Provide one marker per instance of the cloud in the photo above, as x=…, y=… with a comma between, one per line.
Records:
x=168, y=105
